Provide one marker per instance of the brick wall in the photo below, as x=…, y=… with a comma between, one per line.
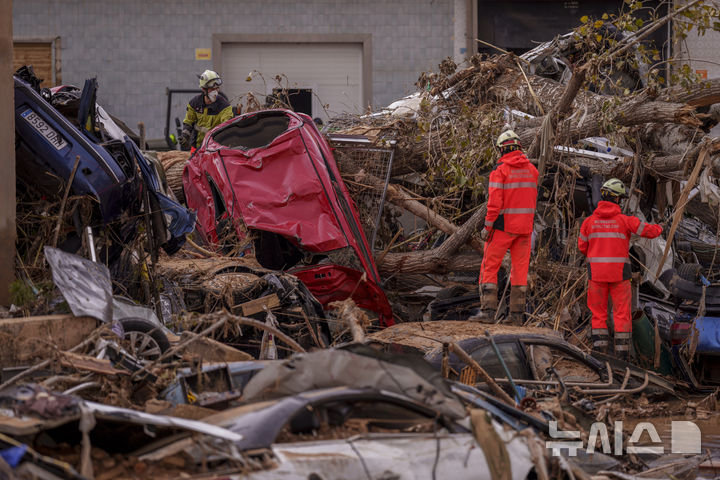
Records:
x=138, y=48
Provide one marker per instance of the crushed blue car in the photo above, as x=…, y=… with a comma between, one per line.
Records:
x=54, y=130
x=689, y=336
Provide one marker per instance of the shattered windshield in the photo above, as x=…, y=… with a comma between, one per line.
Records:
x=253, y=132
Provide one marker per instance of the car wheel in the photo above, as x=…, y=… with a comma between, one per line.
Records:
x=690, y=272
x=144, y=340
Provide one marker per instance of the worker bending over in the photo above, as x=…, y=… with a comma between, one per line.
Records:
x=512, y=197
x=605, y=240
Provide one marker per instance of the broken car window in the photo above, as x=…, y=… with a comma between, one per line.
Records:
x=253, y=132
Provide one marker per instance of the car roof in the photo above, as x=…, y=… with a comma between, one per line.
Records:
x=425, y=336
x=260, y=423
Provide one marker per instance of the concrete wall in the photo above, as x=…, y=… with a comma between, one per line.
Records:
x=137, y=48
x=7, y=155
x=700, y=52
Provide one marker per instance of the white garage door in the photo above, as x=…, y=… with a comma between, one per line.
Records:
x=331, y=71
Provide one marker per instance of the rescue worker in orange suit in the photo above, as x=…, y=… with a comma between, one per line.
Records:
x=512, y=197
x=605, y=240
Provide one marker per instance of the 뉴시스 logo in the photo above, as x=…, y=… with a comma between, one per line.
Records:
x=685, y=438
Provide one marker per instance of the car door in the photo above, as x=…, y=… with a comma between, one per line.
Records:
x=386, y=456
x=382, y=440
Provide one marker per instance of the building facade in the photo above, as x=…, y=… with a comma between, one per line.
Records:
x=349, y=54
x=330, y=56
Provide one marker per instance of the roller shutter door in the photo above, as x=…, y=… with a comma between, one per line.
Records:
x=331, y=71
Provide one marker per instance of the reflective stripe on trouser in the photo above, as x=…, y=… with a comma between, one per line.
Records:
x=622, y=341
x=495, y=248
x=600, y=337
x=597, y=300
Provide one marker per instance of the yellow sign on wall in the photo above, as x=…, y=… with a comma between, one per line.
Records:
x=203, y=54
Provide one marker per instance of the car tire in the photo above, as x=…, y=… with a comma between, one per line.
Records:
x=146, y=340
x=690, y=272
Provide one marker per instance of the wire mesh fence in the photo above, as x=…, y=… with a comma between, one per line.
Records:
x=377, y=164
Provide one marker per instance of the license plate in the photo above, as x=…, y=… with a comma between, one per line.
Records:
x=44, y=129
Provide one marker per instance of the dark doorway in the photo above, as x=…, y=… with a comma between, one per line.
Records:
x=520, y=25
x=299, y=99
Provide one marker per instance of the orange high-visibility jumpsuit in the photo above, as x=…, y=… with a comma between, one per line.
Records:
x=510, y=217
x=605, y=240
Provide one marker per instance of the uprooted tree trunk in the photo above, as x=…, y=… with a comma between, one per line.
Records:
x=398, y=196
x=442, y=259
x=628, y=114
x=592, y=114
x=701, y=94
x=678, y=162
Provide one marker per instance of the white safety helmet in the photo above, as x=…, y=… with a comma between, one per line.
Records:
x=508, y=138
x=210, y=79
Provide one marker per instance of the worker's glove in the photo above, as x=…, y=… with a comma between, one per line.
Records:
x=484, y=234
x=184, y=139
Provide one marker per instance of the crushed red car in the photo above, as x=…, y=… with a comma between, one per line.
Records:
x=270, y=177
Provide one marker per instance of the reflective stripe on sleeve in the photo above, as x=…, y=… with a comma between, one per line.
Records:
x=607, y=235
x=508, y=186
x=607, y=259
x=640, y=228
x=489, y=224
x=521, y=185
x=583, y=237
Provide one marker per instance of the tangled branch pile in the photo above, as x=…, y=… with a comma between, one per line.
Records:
x=590, y=104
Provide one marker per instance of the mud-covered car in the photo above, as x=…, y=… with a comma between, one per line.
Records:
x=268, y=180
x=355, y=413
x=535, y=358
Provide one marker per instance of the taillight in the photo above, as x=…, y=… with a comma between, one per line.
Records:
x=679, y=333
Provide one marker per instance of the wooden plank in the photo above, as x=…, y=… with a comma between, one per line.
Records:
x=258, y=305
x=210, y=350
x=29, y=425
x=90, y=364
x=39, y=55
x=7, y=161
x=28, y=338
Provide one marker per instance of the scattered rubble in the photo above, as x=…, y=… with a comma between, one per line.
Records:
x=314, y=324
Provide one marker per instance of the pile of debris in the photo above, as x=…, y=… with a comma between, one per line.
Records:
x=314, y=323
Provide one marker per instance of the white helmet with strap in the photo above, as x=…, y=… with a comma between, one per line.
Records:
x=508, y=138
x=210, y=79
